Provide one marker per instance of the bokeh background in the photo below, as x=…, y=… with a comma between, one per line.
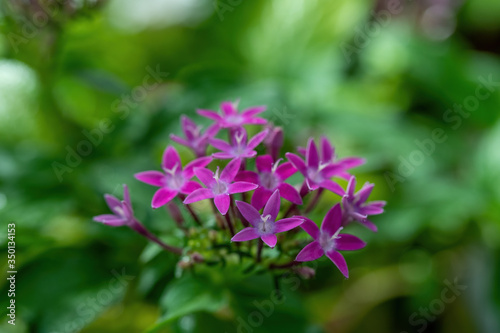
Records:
x=413, y=86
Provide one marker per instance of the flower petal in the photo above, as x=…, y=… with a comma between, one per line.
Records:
x=255, y=121
x=260, y=197
x=311, y=228
x=348, y=242
x=190, y=186
x=297, y=163
x=179, y=140
x=339, y=261
x=351, y=186
x=327, y=151
x=287, y=224
x=197, y=163
x=270, y=240
x=257, y=139
x=332, y=186
x=245, y=235
x=290, y=193
x=250, y=112
x=247, y=176
x=223, y=156
x=365, y=192
x=264, y=163
x=310, y=252
x=332, y=221
x=312, y=157
x=228, y=108
x=273, y=206
x=371, y=210
x=126, y=196
x=209, y=114
x=230, y=170
x=171, y=158
x=251, y=214
x=370, y=225
x=154, y=178
x=286, y=170
x=188, y=126
x=113, y=203
x=220, y=144
x=241, y=187
x=109, y=219
x=198, y=195
x=206, y=176
x=222, y=202
x=351, y=162
x=162, y=196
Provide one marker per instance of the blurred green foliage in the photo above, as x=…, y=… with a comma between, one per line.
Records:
x=62, y=77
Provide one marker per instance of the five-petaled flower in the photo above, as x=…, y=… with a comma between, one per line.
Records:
x=265, y=226
x=317, y=172
x=219, y=187
x=122, y=210
x=195, y=139
x=271, y=177
x=328, y=240
x=238, y=146
x=174, y=179
x=355, y=207
x=231, y=118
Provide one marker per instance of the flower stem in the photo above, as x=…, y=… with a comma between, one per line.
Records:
x=314, y=200
x=260, y=245
x=290, y=210
x=229, y=223
x=140, y=229
x=191, y=211
x=285, y=265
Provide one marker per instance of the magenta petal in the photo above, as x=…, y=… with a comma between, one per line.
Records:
x=179, y=140
x=222, y=202
x=365, y=192
x=270, y=240
x=273, y=206
x=332, y=170
x=327, y=150
x=230, y=170
x=257, y=139
x=228, y=108
x=370, y=225
x=206, y=176
x=286, y=170
x=171, y=158
x=348, y=242
x=249, y=212
x=332, y=186
x=198, y=195
x=154, y=178
x=223, y=156
x=241, y=187
x=113, y=203
x=220, y=144
x=211, y=131
x=209, y=114
x=189, y=187
x=311, y=228
x=197, y=163
x=162, y=196
x=310, y=252
x=287, y=224
x=247, y=176
x=332, y=221
x=255, y=121
x=245, y=235
x=126, y=196
x=290, y=193
x=264, y=163
x=351, y=186
x=250, y=112
x=297, y=162
x=109, y=219
x=351, y=162
x=371, y=210
x=339, y=261
x=260, y=197
x=302, y=151
x=312, y=158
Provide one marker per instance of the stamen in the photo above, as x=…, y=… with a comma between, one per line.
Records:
x=173, y=170
x=275, y=165
x=336, y=234
x=216, y=176
x=239, y=137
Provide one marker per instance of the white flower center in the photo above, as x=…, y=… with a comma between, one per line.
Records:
x=328, y=243
x=265, y=226
x=220, y=187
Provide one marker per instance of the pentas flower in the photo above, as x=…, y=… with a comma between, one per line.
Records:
x=355, y=207
x=174, y=179
x=274, y=142
x=122, y=210
x=219, y=187
x=317, y=173
x=271, y=177
x=231, y=118
x=327, y=157
x=238, y=146
x=265, y=226
x=195, y=139
x=328, y=240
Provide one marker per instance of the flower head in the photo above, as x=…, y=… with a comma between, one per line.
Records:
x=328, y=240
x=195, y=139
x=122, y=210
x=174, y=179
x=239, y=147
x=219, y=187
x=230, y=118
x=317, y=172
x=274, y=142
x=355, y=207
x=265, y=226
x=271, y=177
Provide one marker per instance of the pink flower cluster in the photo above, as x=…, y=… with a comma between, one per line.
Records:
x=260, y=189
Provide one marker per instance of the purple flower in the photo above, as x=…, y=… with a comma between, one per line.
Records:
x=195, y=140
x=122, y=210
x=328, y=241
x=239, y=146
x=274, y=142
x=317, y=173
x=265, y=226
x=327, y=156
x=174, y=179
x=355, y=207
x=271, y=177
x=230, y=118
x=219, y=187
